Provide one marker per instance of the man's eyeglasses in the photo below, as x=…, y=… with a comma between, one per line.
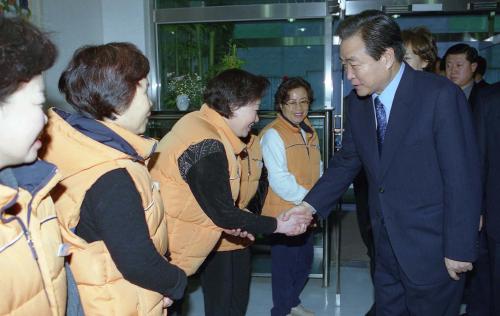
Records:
x=295, y=103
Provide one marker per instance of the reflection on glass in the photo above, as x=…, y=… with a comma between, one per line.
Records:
x=475, y=30
x=190, y=54
x=162, y=4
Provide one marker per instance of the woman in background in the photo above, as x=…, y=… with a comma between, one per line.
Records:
x=291, y=154
x=110, y=210
x=420, y=49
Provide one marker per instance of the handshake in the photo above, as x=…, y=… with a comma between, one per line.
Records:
x=295, y=221
x=291, y=222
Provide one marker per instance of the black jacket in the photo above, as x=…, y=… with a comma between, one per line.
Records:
x=488, y=133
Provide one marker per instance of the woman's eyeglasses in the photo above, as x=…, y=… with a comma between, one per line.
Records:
x=295, y=103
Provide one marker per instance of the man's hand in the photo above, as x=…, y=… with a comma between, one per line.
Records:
x=300, y=209
x=239, y=233
x=456, y=267
x=294, y=221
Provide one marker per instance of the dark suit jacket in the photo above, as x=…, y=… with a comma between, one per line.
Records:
x=488, y=131
x=426, y=184
x=474, y=94
x=482, y=84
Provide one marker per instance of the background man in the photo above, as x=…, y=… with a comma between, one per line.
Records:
x=460, y=66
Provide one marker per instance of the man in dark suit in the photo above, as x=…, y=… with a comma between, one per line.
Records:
x=412, y=132
x=488, y=133
x=461, y=66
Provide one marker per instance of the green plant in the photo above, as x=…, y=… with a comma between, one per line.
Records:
x=190, y=84
x=231, y=59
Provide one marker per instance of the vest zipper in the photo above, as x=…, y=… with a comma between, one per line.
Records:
x=28, y=233
x=304, y=140
x=249, y=165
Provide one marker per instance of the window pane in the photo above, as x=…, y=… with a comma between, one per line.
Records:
x=188, y=52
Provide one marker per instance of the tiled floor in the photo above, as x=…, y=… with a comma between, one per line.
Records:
x=355, y=299
x=356, y=288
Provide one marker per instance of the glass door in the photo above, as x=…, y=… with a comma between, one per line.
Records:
x=195, y=41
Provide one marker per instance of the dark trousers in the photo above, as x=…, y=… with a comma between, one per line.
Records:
x=360, y=185
x=478, y=286
x=494, y=251
x=225, y=281
x=291, y=264
x=395, y=294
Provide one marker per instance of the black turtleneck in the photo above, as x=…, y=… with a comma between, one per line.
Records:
x=112, y=211
x=204, y=167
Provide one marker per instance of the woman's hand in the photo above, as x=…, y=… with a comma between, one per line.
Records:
x=293, y=222
x=167, y=302
x=239, y=233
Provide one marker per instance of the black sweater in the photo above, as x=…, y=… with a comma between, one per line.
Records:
x=204, y=167
x=112, y=212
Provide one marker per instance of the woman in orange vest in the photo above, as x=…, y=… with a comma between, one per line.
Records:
x=33, y=279
x=199, y=169
x=291, y=154
x=109, y=209
x=231, y=258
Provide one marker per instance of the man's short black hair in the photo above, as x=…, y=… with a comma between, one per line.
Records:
x=462, y=48
x=377, y=30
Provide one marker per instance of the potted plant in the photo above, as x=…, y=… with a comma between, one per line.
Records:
x=186, y=89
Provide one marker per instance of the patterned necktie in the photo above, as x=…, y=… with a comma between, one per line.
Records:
x=381, y=123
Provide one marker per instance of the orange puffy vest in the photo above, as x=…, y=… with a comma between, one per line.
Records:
x=251, y=169
x=82, y=160
x=29, y=286
x=303, y=158
x=192, y=234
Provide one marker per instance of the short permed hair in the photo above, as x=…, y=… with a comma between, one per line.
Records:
x=377, y=30
x=282, y=93
x=232, y=89
x=25, y=52
x=101, y=81
x=423, y=45
x=462, y=48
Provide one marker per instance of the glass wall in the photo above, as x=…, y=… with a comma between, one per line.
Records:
x=190, y=54
x=474, y=29
x=274, y=40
